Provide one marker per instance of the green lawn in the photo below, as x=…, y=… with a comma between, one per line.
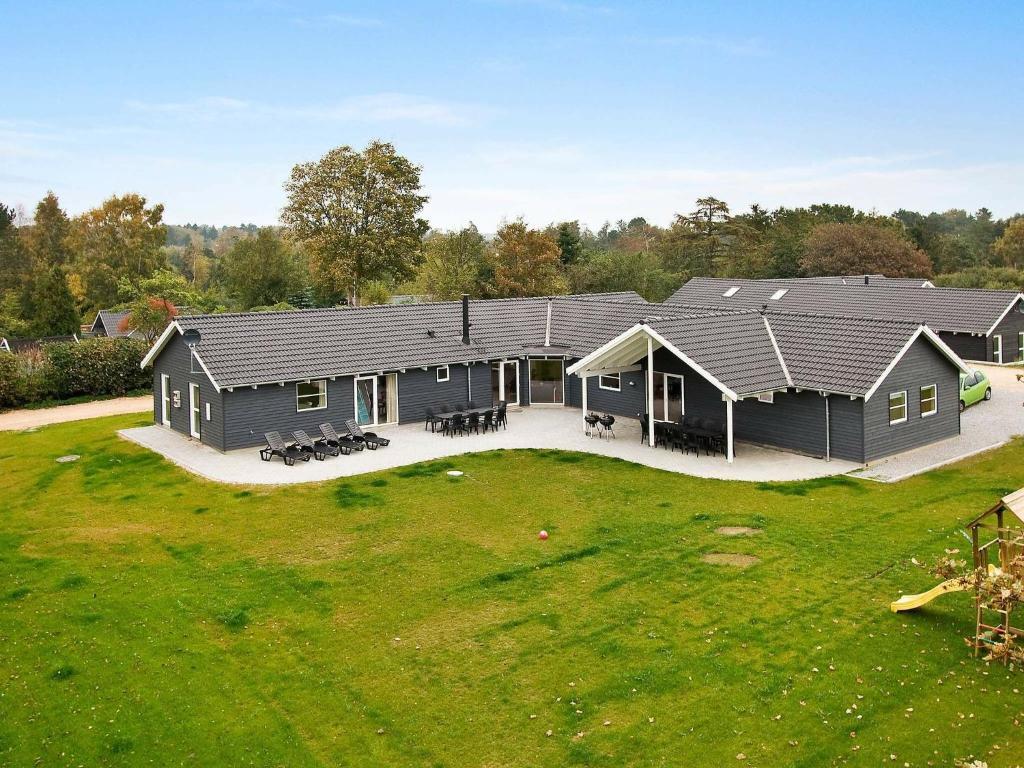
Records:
x=408, y=619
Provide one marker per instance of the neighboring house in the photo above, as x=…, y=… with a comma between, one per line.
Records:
x=978, y=324
x=108, y=323
x=32, y=345
x=814, y=384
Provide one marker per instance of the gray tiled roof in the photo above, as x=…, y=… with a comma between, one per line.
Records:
x=837, y=354
x=255, y=348
x=966, y=310
x=111, y=322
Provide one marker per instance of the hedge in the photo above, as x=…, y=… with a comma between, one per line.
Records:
x=67, y=369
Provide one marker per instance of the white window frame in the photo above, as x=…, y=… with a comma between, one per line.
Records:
x=934, y=400
x=766, y=397
x=195, y=411
x=1020, y=347
x=321, y=384
x=892, y=421
x=617, y=378
x=165, y=399
x=730, y=292
x=447, y=374
x=997, y=348
x=663, y=417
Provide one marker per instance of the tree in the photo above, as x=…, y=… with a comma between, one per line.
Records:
x=149, y=315
x=858, y=249
x=121, y=238
x=1009, y=248
x=163, y=284
x=47, y=238
x=570, y=244
x=696, y=243
x=525, y=262
x=14, y=260
x=376, y=292
x=48, y=306
x=453, y=264
x=358, y=215
x=261, y=270
x=607, y=271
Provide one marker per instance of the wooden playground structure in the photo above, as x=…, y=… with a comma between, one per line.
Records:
x=997, y=544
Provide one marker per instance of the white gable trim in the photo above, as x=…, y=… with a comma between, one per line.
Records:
x=1018, y=297
x=940, y=345
x=778, y=352
x=641, y=329
x=158, y=346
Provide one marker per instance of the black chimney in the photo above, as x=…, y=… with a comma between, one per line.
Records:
x=866, y=280
x=465, y=318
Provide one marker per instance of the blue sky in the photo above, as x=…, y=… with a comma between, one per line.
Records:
x=549, y=109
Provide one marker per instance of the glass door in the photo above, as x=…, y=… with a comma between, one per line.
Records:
x=505, y=382
x=668, y=396
x=377, y=399
x=546, y=382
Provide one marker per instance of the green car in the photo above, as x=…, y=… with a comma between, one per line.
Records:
x=974, y=386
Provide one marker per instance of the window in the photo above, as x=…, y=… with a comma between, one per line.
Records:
x=997, y=348
x=612, y=381
x=311, y=395
x=779, y=294
x=766, y=397
x=1020, y=346
x=442, y=373
x=731, y=292
x=897, y=407
x=929, y=400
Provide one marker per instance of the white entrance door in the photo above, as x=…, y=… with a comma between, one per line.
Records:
x=165, y=399
x=195, y=419
x=377, y=399
x=668, y=396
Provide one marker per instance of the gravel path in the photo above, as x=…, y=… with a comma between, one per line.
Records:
x=983, y=426
x=27, y=419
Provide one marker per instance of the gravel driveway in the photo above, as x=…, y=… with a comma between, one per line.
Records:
x=28, y=418
x=982, y=426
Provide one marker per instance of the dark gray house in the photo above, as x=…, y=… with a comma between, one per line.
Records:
x=978, y=324
x=108, y=323
x=811, y=383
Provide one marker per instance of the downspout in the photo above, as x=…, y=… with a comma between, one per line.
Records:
x=828, y=430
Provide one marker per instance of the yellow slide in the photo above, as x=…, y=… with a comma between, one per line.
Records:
x=910, y=602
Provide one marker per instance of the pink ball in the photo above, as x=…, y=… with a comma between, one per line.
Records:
x=543, y=535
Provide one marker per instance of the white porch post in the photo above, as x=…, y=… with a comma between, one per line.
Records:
x=501, y=381
x=828, y=431
x=584, y=380
x=729, y=452
x=650, y=392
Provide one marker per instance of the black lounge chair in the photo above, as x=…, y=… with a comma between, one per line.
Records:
x=343, y=443
x=276, y=446
x=371, y=439
x=319, y=448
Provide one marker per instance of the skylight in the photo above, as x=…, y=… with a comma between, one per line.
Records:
x=731, y=292
x=779, y=294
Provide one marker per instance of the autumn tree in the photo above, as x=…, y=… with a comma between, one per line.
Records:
x=357, y=213
x=1009, y=248
x=261, y=270
x=47, y=237
x=453, y=264
x=149, y=316
x=860, y=249
x=121, y=238
x=525, y=262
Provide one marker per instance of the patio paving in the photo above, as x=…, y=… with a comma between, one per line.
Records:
x=536, y=427
x=983, y=427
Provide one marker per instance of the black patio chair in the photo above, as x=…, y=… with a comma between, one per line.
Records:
x=456, y=423
x=473, y=422
x=607, y=422
x=487, y=420
x=432, y=420
x=318, y=450
x=371, y=439
x=662, y=436
x=501, y=416
x=644, y=420
x=276, y=446
x=344, y=443
x=590, y=420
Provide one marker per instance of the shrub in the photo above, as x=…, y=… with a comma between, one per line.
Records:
x=11, y=381
x=96, y=367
